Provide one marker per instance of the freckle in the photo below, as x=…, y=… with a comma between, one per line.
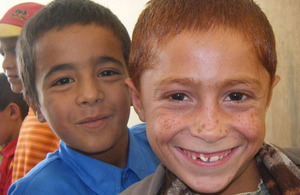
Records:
x=202, y=126
x=167, y=124
x=198, y=130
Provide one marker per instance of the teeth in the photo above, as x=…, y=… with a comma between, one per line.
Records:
x=194, y=157
x=205, y=159
x=213, y=159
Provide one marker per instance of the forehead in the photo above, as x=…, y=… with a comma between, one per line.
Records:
x=215, y=53
x=80, y=32
x=8, y=42
x=216, y=41
x=79, y=41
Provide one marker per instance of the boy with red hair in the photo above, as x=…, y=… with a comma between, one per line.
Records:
x=203, y=72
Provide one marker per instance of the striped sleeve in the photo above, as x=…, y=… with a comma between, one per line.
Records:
x=35, y=141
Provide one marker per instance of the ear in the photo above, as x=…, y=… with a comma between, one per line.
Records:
x=36, y=110
x=274, y=83
x=136, y=99
x=14, y=111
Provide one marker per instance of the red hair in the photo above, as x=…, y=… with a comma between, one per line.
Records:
x=164, y=19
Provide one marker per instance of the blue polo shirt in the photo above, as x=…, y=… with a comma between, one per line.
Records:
x=69, y=172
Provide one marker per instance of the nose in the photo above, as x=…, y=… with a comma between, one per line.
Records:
x=89, y=92
x=9, y=62
x=210, y=124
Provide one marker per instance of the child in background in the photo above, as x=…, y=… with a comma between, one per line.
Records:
x=203, y=72
x=35, y=139
x=13, y=110
x=72, y=57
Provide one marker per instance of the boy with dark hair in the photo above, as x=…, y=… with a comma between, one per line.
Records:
x=72, y=58
x=214, y=63
x=13, y=110
x=35, y=139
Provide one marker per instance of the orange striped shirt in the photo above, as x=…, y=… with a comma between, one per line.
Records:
x=35, y=141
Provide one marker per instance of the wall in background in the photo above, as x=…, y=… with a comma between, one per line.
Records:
x=283, y=118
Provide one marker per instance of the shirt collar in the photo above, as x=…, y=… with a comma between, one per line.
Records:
x=9, y=149
x=135, y=163
x=94, y=172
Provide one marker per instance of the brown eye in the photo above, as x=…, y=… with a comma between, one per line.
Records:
x=108, y=73
x=63, y=81
x=236, y=96
x=179, y=97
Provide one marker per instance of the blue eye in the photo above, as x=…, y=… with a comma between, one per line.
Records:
x=179, y=97
x=107, y=73
x=236, y=96
x=63, y=81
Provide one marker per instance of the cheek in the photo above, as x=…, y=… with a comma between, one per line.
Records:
x=55, y=108
x=163, y=126
x=251, y=125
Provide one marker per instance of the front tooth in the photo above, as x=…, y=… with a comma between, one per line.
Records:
x=194, y=157
x=203, y=158
x=213, y=159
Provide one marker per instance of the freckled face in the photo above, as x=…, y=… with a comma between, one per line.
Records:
x=204, y=103
x=80, y=73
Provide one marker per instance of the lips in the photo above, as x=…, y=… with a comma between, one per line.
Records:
x=93, y=122
x=207, y=157
x=12, y=77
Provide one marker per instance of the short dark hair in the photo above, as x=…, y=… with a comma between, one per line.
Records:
x=163, y=19
x=59, y=14
x=7, y=96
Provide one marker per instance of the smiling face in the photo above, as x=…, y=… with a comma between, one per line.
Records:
x=9, y=65
x=80, y=73
x=204, y=102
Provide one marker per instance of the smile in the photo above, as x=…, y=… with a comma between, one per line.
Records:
x=207, y=157
x=94, y=122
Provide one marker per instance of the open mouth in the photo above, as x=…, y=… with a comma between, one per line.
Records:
x=207, y=157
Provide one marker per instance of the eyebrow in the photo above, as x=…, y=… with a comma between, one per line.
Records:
x=95, y=61
x=57, y=68
x=192, y=82
x=106, y=59
x=176, y=80
x=242, y=80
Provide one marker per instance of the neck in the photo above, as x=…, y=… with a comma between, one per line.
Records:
x=247, y=181
x=115, y=155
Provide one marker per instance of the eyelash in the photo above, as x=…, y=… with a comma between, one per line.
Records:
x=178, y=97
x=60, y=81
x=105, y=73
x=237, y=97
x=234, y=97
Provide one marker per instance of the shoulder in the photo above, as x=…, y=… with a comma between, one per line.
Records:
x=148, y=186
x=43, y=178
x=138, y=132
x=138, y=129
x=293, y=153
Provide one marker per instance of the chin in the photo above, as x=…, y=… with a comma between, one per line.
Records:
x=16, y=88
x=207, y=185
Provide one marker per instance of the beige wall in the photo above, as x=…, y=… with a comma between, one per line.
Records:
x=283, y=118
